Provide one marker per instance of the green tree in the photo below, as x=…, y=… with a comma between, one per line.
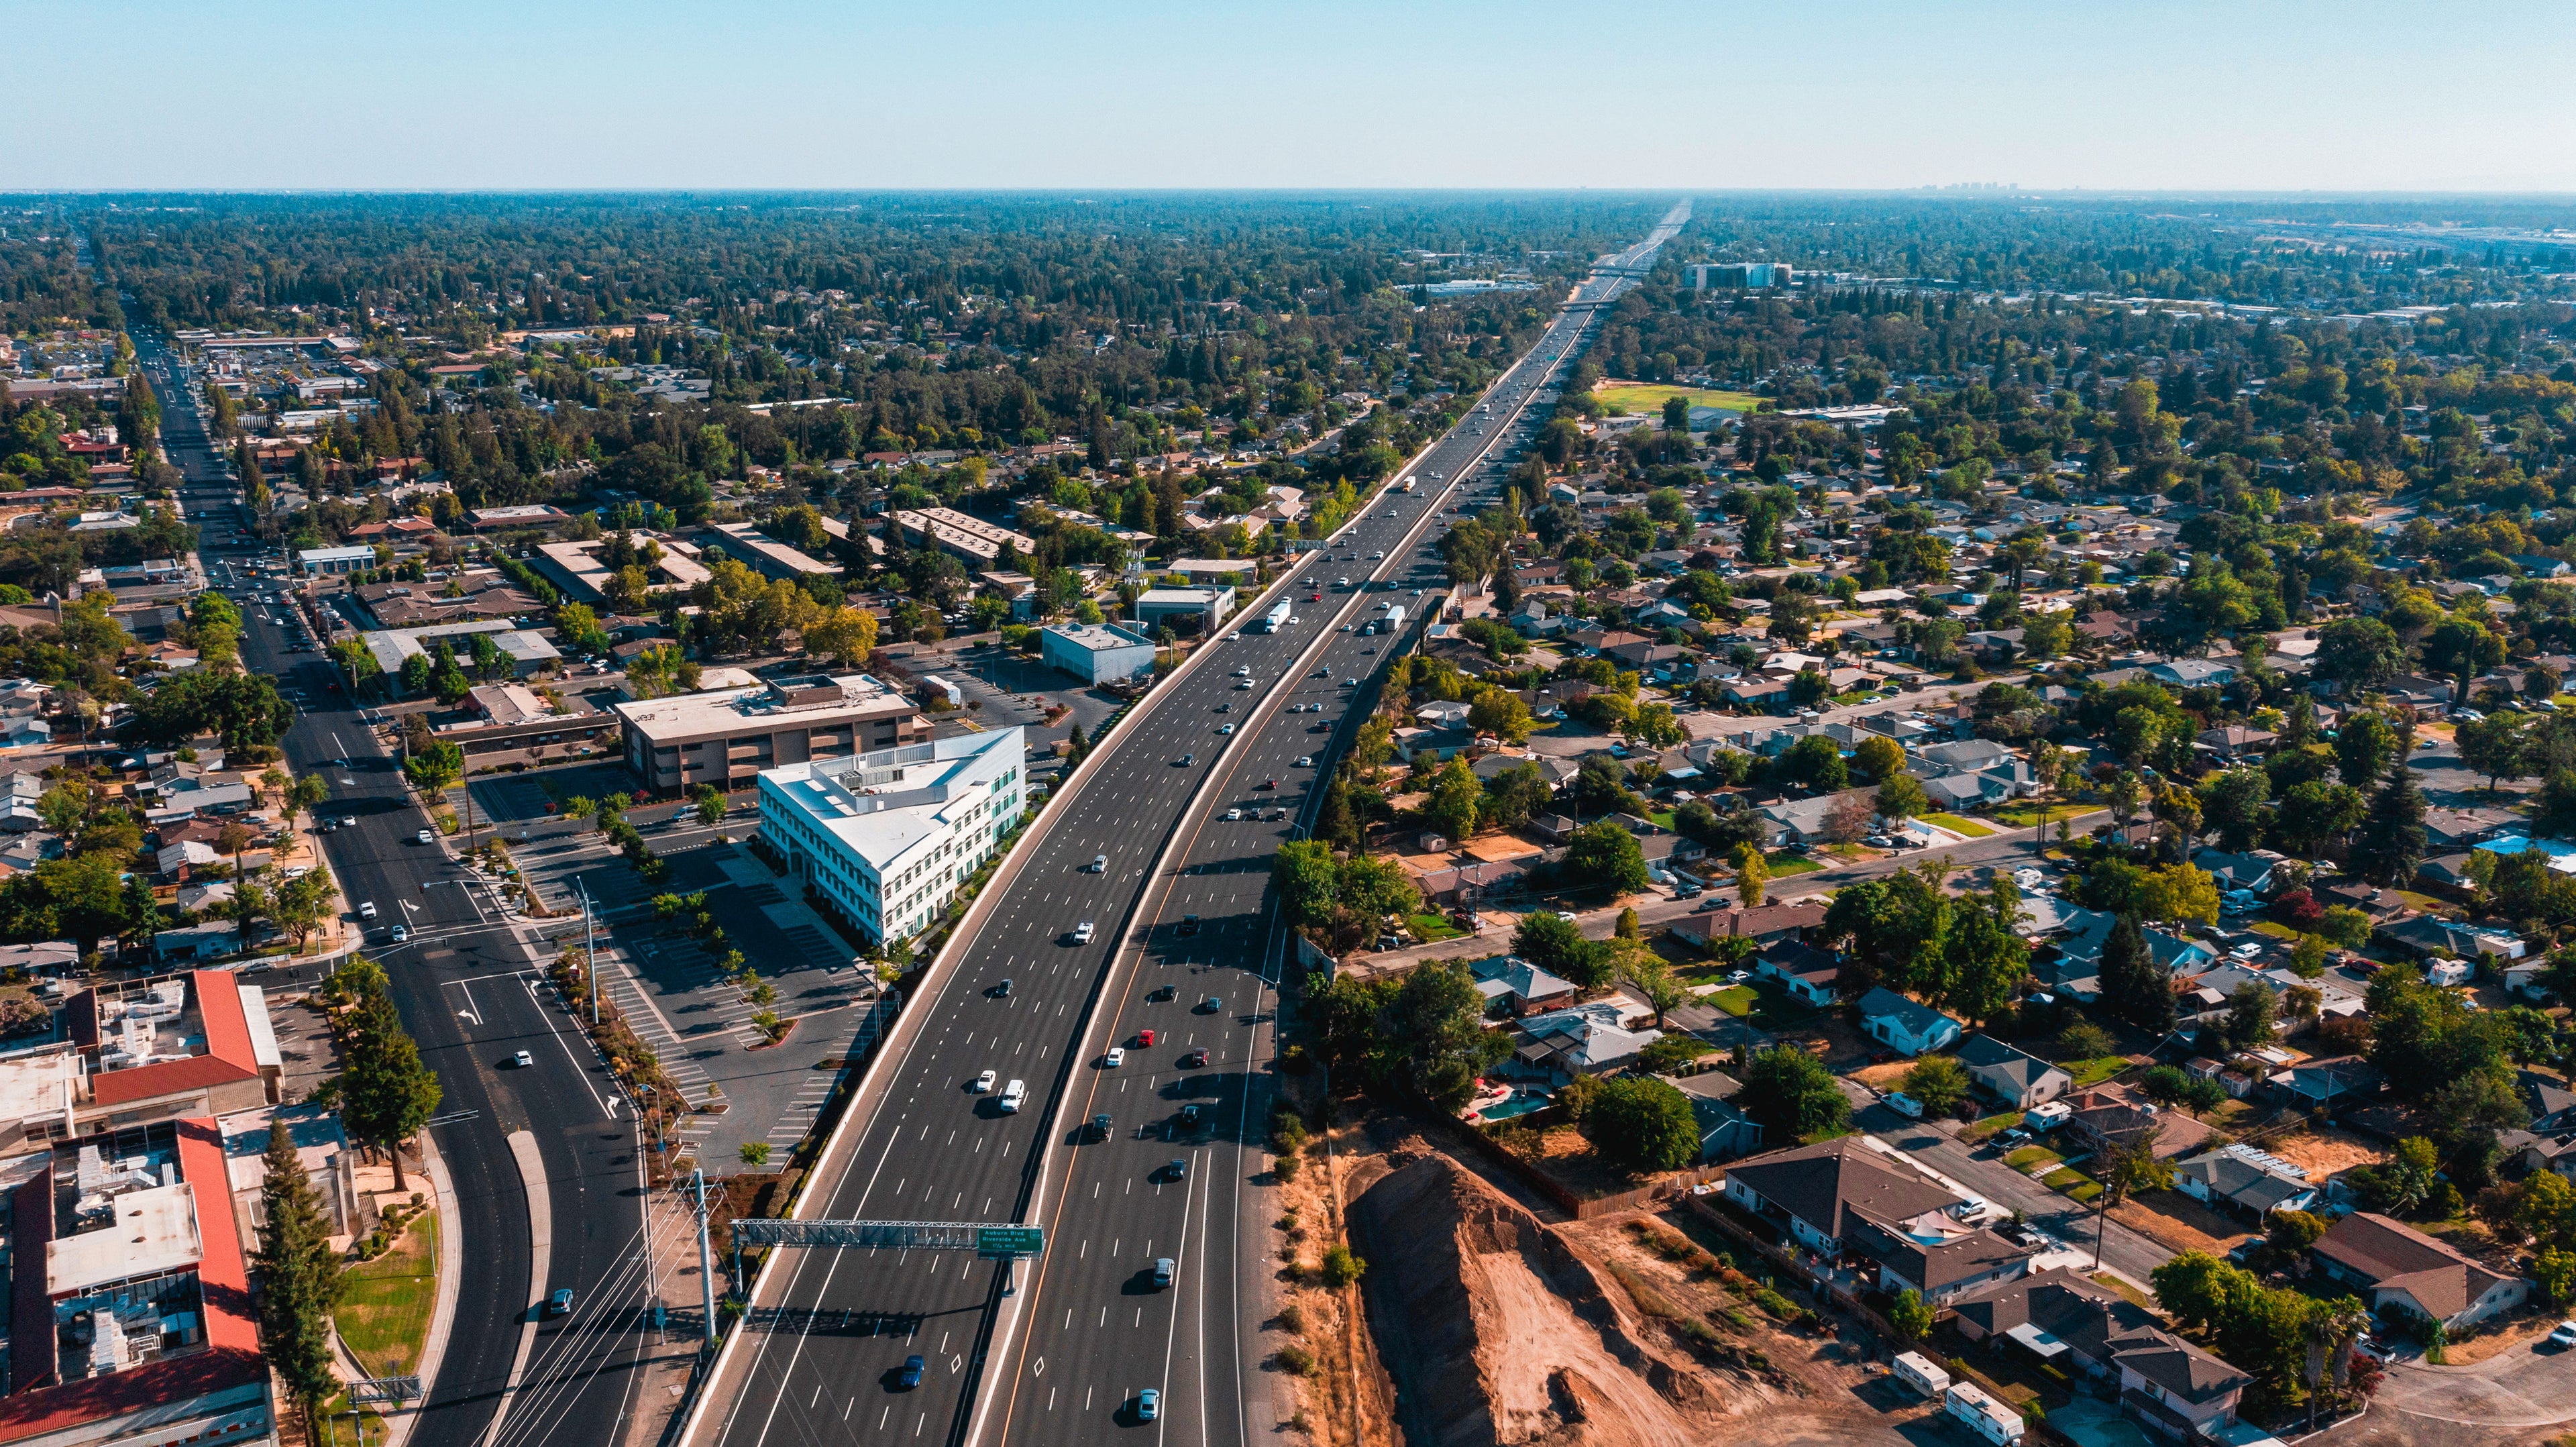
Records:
x=1306, y=879
x=2135, y=988
x=1792, y=1095
x=1437, y=1022
x=1983, y=957
x=1642, y=1126
x=2364, y=748
x=2496, y=746
x=386, y=1092
x=1940, y=1082
x=1606, y=857
x=1910, y=1317
x=2463, y=648
x=2231, y=802
x=2124, y=1170
x=711, y=805
x=2315, y=812
x=1559, y=947
x=433, y=768
x=1901, y=797
x=2359, y=653
x=299, y=1276
x=1456, y=794
x=2390, y=842
x=1880, y=758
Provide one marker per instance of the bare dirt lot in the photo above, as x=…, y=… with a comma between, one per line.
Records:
x=2325, y=1152
x=2180, y=1222
x=1498, y=1327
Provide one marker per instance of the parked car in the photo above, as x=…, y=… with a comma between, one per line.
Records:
x=1904, y=1105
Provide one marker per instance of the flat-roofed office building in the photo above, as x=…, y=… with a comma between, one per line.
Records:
x=887, y=837
x=726, y=737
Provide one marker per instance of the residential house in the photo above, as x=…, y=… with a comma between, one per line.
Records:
x=1725, y=1131
x=2446, y=830
x=2432, y=937
x=1765, y=925
x=2327, y=1084
x=2244, y=1181
x=2193, y=673
x=1841, y=1198
x=1905, y=1026
x=1517, y=987
x=2400, y=1270
x=1819, y=820
x=1583, y=1040
x=2017, y=1078
x=1807, y=973
x=2238, y=871
x=2067, y=1321
x=2110, y=1118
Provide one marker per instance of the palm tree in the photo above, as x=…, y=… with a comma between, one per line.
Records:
x=2333, y=1326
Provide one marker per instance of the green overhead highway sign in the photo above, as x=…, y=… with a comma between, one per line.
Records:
x=1009, y=1242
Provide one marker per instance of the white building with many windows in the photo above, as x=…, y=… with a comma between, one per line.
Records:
x=886, y=837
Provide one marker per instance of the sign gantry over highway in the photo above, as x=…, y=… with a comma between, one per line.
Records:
x=1006, y=1242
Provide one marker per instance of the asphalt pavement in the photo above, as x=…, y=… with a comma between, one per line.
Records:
x=469, y=991
x=832, y=1327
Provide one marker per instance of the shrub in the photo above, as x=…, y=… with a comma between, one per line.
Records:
x=1292, y=1319
x=1341, y=1268
x=1296, y=1361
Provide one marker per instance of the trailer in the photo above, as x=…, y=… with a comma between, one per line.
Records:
x=1274, y=620
x=1393, y=622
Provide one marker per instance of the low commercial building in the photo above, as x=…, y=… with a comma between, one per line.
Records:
x=195, y=1043
x=130, y=1295
x=767, y=556
x=317, y=561
x=528, y=649
x=575, y=567
x=1208, y=605
x=1096, y=652
x=972, y=540
x=506, y=519
x=727, y=738
x=885, y=838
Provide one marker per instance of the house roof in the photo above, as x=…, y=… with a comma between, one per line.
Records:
x=2393, y=1256
x=1918, y=1018
x=1989, y=1058
x=1820, y=1184
x=2242, y=1181
x=1767, y=919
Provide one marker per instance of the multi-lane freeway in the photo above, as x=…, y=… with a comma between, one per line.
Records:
x=1185, y=950
x=467, y=985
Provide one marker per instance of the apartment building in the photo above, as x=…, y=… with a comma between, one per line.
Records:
x=971, y=539
x=727, y=737
x=887, y=837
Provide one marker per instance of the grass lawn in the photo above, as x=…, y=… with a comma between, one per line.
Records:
x=384, y=1316
x=1648, y=398
x=1785, y=863
x=2090, y=1073
x=2022, y=814
x=1772, y=1007
x=2028, y=1156
x=1956, y=825
x=2424, y=902
x=1663, y=818
x=1977, y=1133
x=1736, y=1000
x=2073, y=1182
x=1431, y=928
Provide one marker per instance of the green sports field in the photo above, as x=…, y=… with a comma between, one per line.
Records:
x=1647, y=399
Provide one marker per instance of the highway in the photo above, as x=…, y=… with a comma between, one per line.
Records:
x=466, y=984
x=831, y=1329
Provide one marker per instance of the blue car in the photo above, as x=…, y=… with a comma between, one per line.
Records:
x=560, y=1304
x=1149, y=1404
x=911, y=1376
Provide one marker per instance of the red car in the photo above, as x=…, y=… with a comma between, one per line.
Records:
x=1194, y=1060
x=1267, y=784
x=1144, y=1038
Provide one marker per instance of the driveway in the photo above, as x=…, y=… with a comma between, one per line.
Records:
x=2126, y=1253
x=2503, y=1398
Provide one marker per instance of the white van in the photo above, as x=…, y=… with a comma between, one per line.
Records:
x=1012, y=1096
x=1919, y=1372
x=1904, y=1105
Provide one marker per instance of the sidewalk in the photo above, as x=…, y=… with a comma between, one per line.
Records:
x=663, y=1367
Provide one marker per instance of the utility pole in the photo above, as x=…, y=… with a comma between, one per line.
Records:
x=589, y=946
x=706, y=1257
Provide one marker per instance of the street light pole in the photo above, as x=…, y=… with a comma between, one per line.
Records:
x=706, y=1259
x=589, y=947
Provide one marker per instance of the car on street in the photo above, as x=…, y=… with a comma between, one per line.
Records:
x=1224, y=729
x=522, y=1060
x=427, y=837
x=983, y=1084
x=402, y=932
x=1145, y=1038
x=1002, y=991
x=1162, y=1272
x=1116, y=1057
x=560, y=1304
x=1149, y=1404
x=1194, y=1060
x=1082, y=933
x=1101, y=1126
x=1211, y=1005
x=1243, y=672
x=2564, y=1337
x=1100, y=864
x=1014, y=1095
x=1305, y=761
x=1231, y=815
x=367, y=909
x=910, y=1376
x=1904, y=1105
x=1188, y=759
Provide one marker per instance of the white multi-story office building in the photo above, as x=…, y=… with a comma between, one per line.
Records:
x=886, y=837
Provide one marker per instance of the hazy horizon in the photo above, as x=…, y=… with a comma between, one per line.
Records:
x=2184, y=98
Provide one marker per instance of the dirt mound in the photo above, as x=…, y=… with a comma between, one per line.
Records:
x=1500, y=1332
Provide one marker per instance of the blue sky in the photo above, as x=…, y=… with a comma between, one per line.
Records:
x=463, y=94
